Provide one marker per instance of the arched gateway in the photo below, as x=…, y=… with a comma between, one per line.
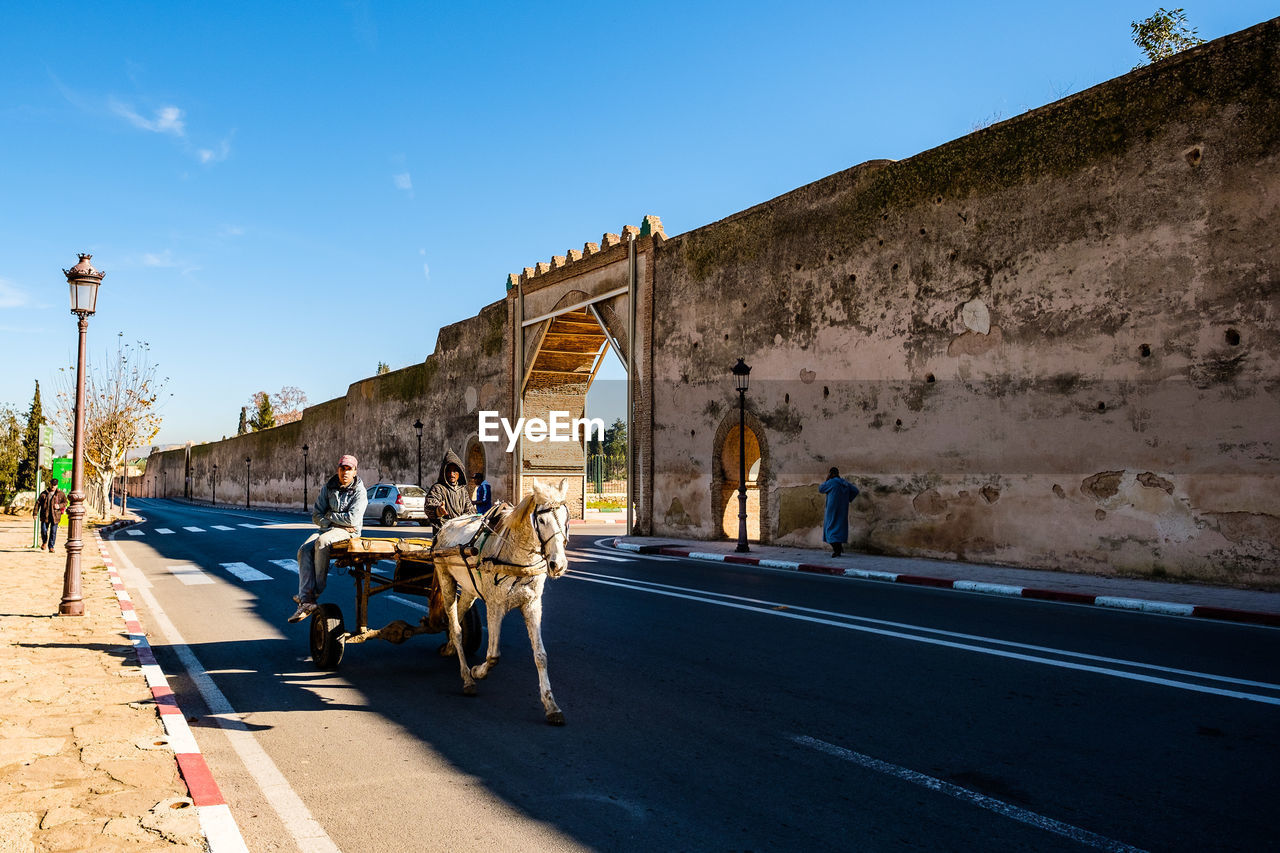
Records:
x=567, y=316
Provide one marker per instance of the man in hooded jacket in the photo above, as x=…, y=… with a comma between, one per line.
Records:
x=450, y=497
x=339, y=513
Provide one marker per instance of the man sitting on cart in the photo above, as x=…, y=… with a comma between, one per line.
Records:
x=449, y=497
x=339, y=513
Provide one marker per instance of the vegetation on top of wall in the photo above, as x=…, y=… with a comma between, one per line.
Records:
x=497, y=333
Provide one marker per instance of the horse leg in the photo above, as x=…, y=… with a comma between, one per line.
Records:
x=449, y=590
x=494, y=611
x=533, y=623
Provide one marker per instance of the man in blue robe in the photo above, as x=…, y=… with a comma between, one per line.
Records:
x=835, y=523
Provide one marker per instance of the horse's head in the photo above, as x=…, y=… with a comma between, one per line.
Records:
x=551, y=524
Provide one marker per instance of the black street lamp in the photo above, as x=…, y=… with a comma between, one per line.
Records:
x=247, y=467
x=83, y=280
x=742, y=378
x=417, y=425
x=215, y=484
x=304, y=477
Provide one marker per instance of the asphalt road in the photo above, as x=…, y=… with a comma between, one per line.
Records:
x=712, y=708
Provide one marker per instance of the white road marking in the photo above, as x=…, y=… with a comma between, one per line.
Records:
x=133, y=532
x=867, y=625
x=246, y=572
x=288, y=565
x=606, y=545
x=595, y=555
x=163, y=530
x=189, y=574
x=250, y=526
x=194, y=529
x=293, y=813
x=222, y=527
x=1075, y=833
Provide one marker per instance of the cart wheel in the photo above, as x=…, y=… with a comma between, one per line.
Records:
x=424, y=523
x=328, y=636
x=389, y=517
x=471, y=630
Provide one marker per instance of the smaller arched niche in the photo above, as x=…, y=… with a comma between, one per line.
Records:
x=725, y=479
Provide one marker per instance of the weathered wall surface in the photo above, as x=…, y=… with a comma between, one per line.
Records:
x=1053, y=342
x=469, y=370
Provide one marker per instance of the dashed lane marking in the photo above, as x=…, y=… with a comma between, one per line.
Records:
x=133, y=532
x=1075, y=833
x=189, y=574
x=163, y=530
x=222, y=527
x=194, y=529
x=246, y=572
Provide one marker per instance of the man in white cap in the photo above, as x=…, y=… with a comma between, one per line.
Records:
x=339, y=513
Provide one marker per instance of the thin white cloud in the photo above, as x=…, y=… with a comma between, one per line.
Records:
x=403, y=181
x=12, y=296
x=215, y=155
x=426, y=271
x=230, y=231
x=159, y=259
x=167, y=119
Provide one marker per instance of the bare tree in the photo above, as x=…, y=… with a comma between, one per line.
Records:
x=121, y=397
x=289, y=404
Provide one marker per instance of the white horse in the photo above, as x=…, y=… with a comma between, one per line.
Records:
x=510, y=571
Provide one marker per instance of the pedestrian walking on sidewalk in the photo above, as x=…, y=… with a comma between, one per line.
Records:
x=339, y=513
x=835, y=523
x=483, y=498
x=50, y=506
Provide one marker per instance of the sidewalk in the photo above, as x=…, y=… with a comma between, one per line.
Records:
x=1170, y=598
x=85, y=763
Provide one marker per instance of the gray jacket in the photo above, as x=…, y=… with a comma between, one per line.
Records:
x=339, y=507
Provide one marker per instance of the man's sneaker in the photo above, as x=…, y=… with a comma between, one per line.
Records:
x=304, y=610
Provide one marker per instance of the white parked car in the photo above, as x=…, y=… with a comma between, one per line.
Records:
x=391, y=503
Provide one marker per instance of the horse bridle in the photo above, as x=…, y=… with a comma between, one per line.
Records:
x=554, y=510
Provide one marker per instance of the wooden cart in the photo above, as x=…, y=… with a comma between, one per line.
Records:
x=414, y=575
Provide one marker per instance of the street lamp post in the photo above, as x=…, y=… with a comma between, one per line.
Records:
x=417, y=425
x=247, y=468
x=304, y=477
x=83, y=280
x=215, y=484
x=742, y=378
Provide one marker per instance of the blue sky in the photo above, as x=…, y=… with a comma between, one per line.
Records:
x=289, y=193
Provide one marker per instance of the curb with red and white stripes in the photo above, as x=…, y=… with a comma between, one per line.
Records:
x=1166, y=608
x=216, y=821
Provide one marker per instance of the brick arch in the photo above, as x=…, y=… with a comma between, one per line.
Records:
x=724, y=483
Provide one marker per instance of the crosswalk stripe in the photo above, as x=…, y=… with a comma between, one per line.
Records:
x=288, y=565
x=222, y=527
x=194, y=529
x=246, y=572
x=251, y=526
x=163, y=530
x=133, y=532
x=189, y=574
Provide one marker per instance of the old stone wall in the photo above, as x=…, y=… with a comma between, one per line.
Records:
x=468, y=371
x=1053, y=342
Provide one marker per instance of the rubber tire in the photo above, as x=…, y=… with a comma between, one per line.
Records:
x=389, y=518
x=471, y=630
x=424, y=523
x=328, y=636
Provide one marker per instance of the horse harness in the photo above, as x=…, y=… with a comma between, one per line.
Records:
x=487, y=530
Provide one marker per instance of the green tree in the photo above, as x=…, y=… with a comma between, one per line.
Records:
x=10, y=452
x=383, y=367
x=615, y=450
x=244, y=421
x=30, y=458
x=1164, y=34
x=264, y=416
